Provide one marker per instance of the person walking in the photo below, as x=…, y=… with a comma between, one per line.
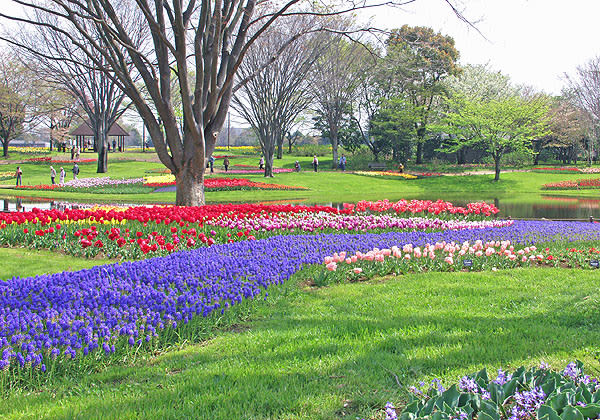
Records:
x=61, y=176
x=211, y=163
x=226, y=163
x=52, y=174
x=261, y=163
x=75, y=170
x=19, y=175
x=72, y=152
x=316, y=163
x=77, y=153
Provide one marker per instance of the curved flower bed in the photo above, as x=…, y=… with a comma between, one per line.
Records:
x=140, y=232
x=48, y=159
x=310, y=222
x=386, y=173
x=72, y=314
x=424, y=207
x=220, y=184
x=578, y=184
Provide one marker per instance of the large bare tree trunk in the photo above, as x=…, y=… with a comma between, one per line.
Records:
x=190, y=187
x=5, y=148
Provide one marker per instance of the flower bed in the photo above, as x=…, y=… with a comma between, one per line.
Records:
x=220, y=184
x=568, y=169
x=48, y=320
x=7, y=175
x=148, y=231
x=424, y=207
x=537, y=393
x=579, y=184
x=449, y=256
x=386, y=173
x=48, y=159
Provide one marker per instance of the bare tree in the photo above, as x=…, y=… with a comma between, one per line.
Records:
x=336, y=81
x=58, y=60
x=275, y=95
x=584, y=87
x=207, y=38
x=19, y=99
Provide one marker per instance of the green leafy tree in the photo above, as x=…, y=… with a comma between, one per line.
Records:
x=499, y=125
x=425, y=58
x=393, y=129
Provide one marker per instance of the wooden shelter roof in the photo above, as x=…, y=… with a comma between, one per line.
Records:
x=85, y=130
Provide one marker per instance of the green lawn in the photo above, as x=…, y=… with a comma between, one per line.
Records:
x=324, y=187
x=25, y=262
x=336, y=352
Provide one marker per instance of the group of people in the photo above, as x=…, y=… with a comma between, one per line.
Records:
x=61, y=174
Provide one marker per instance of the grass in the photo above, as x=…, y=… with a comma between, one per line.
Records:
x=24, y=262
x=338, y=352
x=327, y=186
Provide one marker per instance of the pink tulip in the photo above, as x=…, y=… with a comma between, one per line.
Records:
x=357, y=270
x=331, y=266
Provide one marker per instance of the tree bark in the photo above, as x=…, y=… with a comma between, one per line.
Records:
x=190, y=186
x=102, y=159
x=5, y=148
x=333, y=138
x=280, y=148
x=497, y=165
x=268, y=165
x=419, y=152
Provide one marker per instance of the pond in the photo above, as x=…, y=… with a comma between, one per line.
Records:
x=523, y=206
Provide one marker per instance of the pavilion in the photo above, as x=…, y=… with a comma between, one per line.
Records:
x=84, y=130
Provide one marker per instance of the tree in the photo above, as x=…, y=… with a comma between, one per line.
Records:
x=393, y=128
x=584, y=87
x=336, y=80
x=19, y=98
x=568, y=126
x=210, y=38
x=57, y=60
x=475, y=83
x=499, y=125
x=274, y=96
x=425, y=58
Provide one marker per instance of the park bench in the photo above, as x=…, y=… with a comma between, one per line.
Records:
x=378, y=166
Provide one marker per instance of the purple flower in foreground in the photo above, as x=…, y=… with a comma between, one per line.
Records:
x=527, y=403
x=502, y=377
x=571, y=371
x=390, y=412
x=544, y=366
x=467, y=384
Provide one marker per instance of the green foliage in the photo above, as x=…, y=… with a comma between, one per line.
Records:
x=497, y=125
x=393, y=128
x=550, y=396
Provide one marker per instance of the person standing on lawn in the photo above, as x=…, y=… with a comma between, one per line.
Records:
x=226, y=163
x=342, y=163
x=261, y=163
x=316, y=163
x=19, y=175
x=75, y=170
x=52, y=174
x=61, y=176
x=211, y=163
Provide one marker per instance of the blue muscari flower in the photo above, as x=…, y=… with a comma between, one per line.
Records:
x=76, y=310
x=390, y=412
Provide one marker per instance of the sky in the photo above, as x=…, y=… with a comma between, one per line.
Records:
x=533, y=41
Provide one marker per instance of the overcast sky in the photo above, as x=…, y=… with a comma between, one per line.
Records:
x=533, y=41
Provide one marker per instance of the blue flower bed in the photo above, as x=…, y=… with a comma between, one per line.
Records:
x=75, y=313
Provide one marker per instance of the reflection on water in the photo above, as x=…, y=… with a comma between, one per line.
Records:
x=516, y=207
